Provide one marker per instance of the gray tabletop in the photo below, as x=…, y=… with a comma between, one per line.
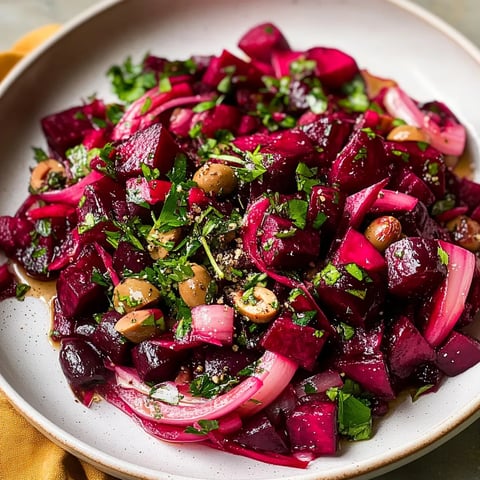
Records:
x=459, y=458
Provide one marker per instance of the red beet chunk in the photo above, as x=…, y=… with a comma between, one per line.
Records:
x=312, y=428
x=66, y=129
x=109, y=340
x=285, y=246
x=330, y=134
x=221, y=117
x=360, y=163
x=221, y=360
x=458, y=353
x=407, y=348
x=14, y=233
x=261, y=41
x=128, y=257
x=370, y=372
x=258, y=433
x=349, y=293
x=82, y=364
x=414, y=266
x=364, y=342
x=153, y=146
x=325, y=209
x=409, y=183
x=282, y=406
x=77, y=293
x=302, y=344
x=7, y=283
x=155, y=363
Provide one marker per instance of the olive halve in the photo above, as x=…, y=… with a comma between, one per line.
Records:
x=194, y=290
x=259, y=306
x=216, y=179
x=133, y=294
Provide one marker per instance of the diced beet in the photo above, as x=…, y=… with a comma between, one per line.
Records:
x=261, y=41
x=142, y=191
x=300, y=343
x=244, y=72
x=333, y=67
x=8, y=283
x=370, y=372
x=360, y=163
x=413, y=185
x=221, y=117
x=221, y=360
x=153, y=146
x=76, y=291
x=330, y=134
x=109, y=340
x=318, y=383
x=312, y=428
x=459, y=353
x=15, y=232
x=82, y=364
x=427, y=163
x=325, y=209
x=407, y=348
x=258, y=433
x=292, y=250
x=414, y=266
x=155, y=363
x=363, y=342
x=282, y=406
x=355, y=248
x=67, y=129
x=128, y=257
x=469, y=192
x=102, y=200
x=350, y=294
x=282, y=59
x=419, y=223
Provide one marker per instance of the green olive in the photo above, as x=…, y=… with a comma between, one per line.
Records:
x=216, y=179
x=383, y=231
x=157, y=242
x=133, y=294
x=261, y=307
x=194, y=290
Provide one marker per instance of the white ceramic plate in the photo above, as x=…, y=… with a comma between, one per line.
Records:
x=390, y=38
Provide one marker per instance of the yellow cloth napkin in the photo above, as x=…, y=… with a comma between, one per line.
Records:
x=25, y=454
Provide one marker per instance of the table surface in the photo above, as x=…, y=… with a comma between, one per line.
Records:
x=459, y=458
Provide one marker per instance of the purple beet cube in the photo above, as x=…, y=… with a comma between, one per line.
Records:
x=285, y=246
x=155, y=363
x=407, y=348
x=258, y=433
x=312, y=428
x=415, y=266
x=302, y=344
x=153, y=146
x=458, y=353
x=128, y=257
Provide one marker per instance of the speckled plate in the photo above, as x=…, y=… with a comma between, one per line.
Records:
x=390, y=38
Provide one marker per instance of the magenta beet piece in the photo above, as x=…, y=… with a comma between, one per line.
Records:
x=76, y=291
x=407, y=348
x=458, y=353
x=281, y=249
x=155, y=363
x=413, y=185
x=312, y=428
x=318, y=383
x=325, y=209
x=370, y=372
x=221, y=117
x=67, y=129
x=258, y=433
x=333, y=67
x=153, y=146
x=282, y=406
x=364, y=342
x=109, y=340
x=419, y=223
x=330, y=134
x=360, y=163
x=7, y=283
x=14, y=233
x=261, y=41
x=415, y=266
x=221, y=360
x=349, y=293
x=82, y=364
x=469, y=192
x=128, y=257
x=300, y=343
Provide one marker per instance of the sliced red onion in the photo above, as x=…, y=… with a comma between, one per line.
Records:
x=449, y=140
x=213, y=324
x=56, y=210
x=275, y=372
x=155, y=410
x=449, y=299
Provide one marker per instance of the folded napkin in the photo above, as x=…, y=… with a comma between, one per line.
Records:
x=25, y=454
